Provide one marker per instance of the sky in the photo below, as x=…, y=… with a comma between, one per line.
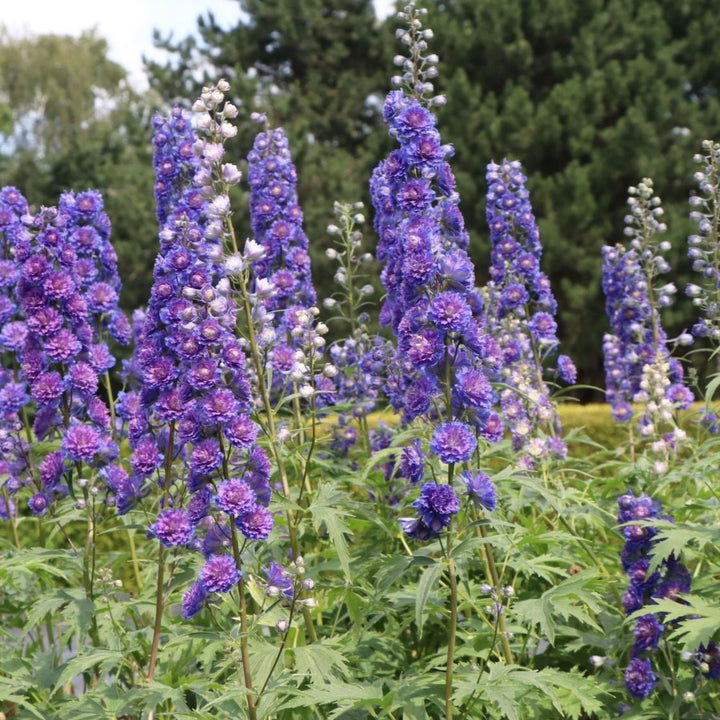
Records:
x=127, y=25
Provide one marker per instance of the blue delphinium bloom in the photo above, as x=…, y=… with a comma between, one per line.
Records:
x=480, y=489
x=219, y=574
x=193, y=600
x=279, y=582
x=453, y=442
x=173, y=528
x=635, y=513
x=639, y=678
x=520, y=312
x=436, y=506
x=648, y=631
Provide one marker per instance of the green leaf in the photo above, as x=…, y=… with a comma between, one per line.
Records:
x=427, y=588
x=319, y=662
x=346, y=696
x=565, y=600
x=325, y=510
x=699, y=620
x=95, y=657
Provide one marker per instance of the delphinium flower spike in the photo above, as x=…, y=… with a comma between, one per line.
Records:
x=444, y=356
x=670, y=579
x=69, y=290
x=276, y=223
x=703, y=245
x=359, y=360
x=638, y=364
x=195, y=400
x=521, y=316
x=15, y=454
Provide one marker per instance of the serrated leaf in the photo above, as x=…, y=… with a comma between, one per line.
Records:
x=86, y=661
x=673, y=539
x=346, y=695
x=45, y=605
x=698, y=620
x=325, y=510
x=319, y=662
x=564, y=600
x=426, y=585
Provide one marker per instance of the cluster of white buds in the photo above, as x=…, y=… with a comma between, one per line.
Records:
x=703, y=245
x=642, y=224
x=213, y=175
x=419, y=67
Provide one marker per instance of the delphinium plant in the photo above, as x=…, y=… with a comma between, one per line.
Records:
x=441, y=378
x=704, y=252
x=281, y=337
x=58, y=422
x=638, y=365
x=193, y=440
x=520, y=310
x=359, y=358
x=13, y=389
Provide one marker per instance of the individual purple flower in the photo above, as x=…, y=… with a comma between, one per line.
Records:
x=235, y=497
x=480, y=489
x=566, y=369
x=199, y=505
x=146, y=457
x=172, y=528
x=278, y=582
x=81, y=443
x=241, y=431
x=453, y=442
x=436, y=506
x=450, y=312
x=206, y=457
x=648, y=631
x=256, y=523
x=39, y=504
x=412, y=462
x=639, y=678
x=415, y=528
x=219, y=574
x=193, y=600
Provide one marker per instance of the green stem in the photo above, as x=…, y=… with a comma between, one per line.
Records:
x=134, y=558
x=452, y=629
x=271, y=430
x=244, y=655
x=493, y=575
x=111, y=402
x=159, y=588
x=13, y=518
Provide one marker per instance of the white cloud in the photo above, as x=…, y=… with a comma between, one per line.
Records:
x=127, y=25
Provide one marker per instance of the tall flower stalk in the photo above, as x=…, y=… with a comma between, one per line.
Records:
x=638, y=364
x=444, y=357
x=521, y=316
x=704, y=250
